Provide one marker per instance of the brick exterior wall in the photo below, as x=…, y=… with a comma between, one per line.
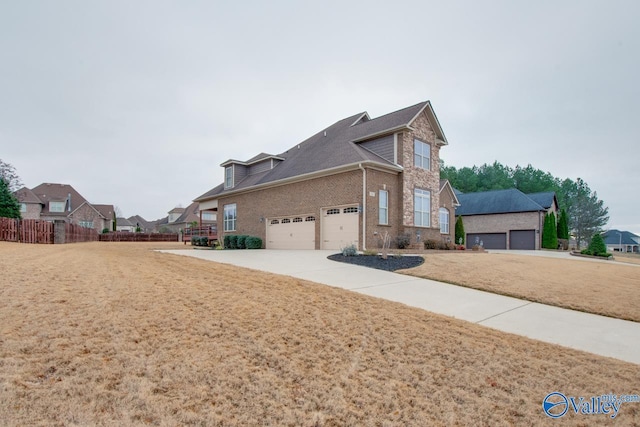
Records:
x=446, y=201
x=300, y=198
x=503, y=223
x=33, y=211
x=88, y=213
x=420, y=178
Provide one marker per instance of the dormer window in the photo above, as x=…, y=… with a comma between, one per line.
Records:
x=56, y=206
x=228, y=177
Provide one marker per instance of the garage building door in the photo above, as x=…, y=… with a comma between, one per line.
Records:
x=489, y=240
x=296, y=232
x=522, y=239
x=340, y=227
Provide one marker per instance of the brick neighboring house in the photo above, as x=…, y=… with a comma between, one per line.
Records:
x=51, y=202
x=505, y=219
x=349, y=183
x=181, y=218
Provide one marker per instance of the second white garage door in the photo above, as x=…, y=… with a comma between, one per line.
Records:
x=297, y=232
x=339, y=227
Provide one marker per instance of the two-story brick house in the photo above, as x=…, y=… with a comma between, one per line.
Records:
x=353, y=182
x=51, y=202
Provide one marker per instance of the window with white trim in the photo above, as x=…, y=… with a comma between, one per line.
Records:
x=297, y=219
x=85, y=224
x=208, y=216
x=444, y=221
x=56, y=206
x=310, y=218
x=352, y=209
x=421, y=154
x=228, y=177
x=229, y=219
x=421, y=208
x=383, y=207
x=23, y=207
x=286, y=221
x=333, y=211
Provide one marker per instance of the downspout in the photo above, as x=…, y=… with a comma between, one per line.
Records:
x=364, y=206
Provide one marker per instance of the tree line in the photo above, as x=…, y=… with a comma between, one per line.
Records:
x=586, y=213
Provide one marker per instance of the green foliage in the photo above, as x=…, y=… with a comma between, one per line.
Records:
x=241, y=241
x=597, y=247
x=350, y=250
x=199, y=241
x=549, y=232
x=9, y=206
x=226, y=242
x=403, y=241
x=253, y=242
x=563, y=225
x=105, y=230
x=233, y=241
x=586, y=213
x=460, y=235
x=138, y=229
x=9, y=175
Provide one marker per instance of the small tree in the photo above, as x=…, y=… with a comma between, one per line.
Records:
x=460, y=237
x=9, y=206
x=550, y=232
x=596, y=246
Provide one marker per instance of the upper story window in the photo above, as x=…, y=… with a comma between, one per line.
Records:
x=56, y=206
x=444, y=221
x=383, y=207
x=23, y=207
x=422, y=208
x=228, y=177
x=85, y=224
x=208, y=216
x=421, y=154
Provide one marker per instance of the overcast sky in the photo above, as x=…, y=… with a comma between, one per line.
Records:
x=136, y=103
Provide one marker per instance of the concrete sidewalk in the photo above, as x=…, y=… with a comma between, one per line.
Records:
x=596, y=334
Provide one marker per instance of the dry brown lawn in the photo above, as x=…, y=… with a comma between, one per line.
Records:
x=116, y=334
x=594, y=287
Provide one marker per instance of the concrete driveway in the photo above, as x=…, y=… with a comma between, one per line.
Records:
x=596, y=334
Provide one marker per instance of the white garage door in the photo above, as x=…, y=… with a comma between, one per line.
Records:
x=339, y=227
x=296, y=232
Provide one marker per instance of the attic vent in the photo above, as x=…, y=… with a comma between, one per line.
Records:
x=325, y=133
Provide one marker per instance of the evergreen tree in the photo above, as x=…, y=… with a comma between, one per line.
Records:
x=563, y=225
x=9, y=206
x=549, y=233
x=460, y=237
x=596, y=246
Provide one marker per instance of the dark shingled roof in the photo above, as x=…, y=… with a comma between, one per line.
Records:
x=330, y=148
x=612, y=237
x=24, y=195
x=48, y=192
x=544, y=199
x=495, y=202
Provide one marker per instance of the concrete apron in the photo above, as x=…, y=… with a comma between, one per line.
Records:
x=588, y=332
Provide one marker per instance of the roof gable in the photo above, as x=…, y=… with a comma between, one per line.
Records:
x=496, y=202
x=24, y=195
x=48, y=192
x=545, y=199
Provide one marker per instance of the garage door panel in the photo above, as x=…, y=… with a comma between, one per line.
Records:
x=488, y=240
x=522, y=239
x=340, y=227
x=291, y=233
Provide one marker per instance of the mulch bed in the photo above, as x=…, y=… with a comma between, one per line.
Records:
x=392, y=263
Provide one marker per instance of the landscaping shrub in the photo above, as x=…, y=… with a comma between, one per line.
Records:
x=370, y=252
x=550, y=232
x=459, y=231
x=430, y=244
x=241, y=241
x=105, y=230
x=596, y=247
x=403, y=241
x=233, y=241
x=226, y=242
x=445, y=246
x=199, y=241
x=252, y=242
x=350, y=250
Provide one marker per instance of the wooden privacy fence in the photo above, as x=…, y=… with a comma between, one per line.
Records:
x=37, y=231
x=127, y=236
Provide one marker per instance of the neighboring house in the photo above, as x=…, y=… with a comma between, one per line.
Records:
x=621, y=241
x=123, y=224
x=51, y=202
x=505, y=219
x=144, y=225
x=351, y=183
x=188, y=216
